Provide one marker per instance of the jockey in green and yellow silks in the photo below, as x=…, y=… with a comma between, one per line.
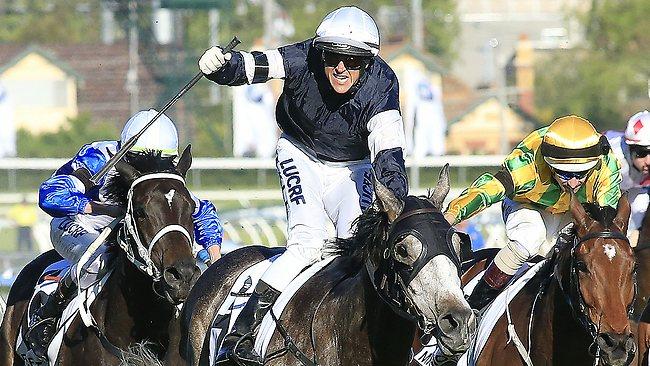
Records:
x=535, y=185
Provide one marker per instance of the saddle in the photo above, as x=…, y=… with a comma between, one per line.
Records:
x=240, y=292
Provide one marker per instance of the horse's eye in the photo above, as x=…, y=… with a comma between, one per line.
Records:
x=582, y=266
x=401, y=251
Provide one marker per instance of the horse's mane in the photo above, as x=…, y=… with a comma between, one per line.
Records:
x=146, y=162
x=368, y=230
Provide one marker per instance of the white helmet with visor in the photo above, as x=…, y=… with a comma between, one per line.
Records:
x=638, y=129
x=160, y=136
x=348, y=31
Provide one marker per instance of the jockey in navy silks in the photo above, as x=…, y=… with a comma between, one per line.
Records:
x=340, y=119
x=80, y=211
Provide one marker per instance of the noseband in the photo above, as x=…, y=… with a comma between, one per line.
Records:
x=391, y=277
x=142, y=258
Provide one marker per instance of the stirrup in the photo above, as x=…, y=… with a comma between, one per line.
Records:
x=39, y=347
x=250, y=359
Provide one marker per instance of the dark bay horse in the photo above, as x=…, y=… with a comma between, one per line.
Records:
x=139, y=300
x=580, y=300
x=399, y=270
x=642, y=254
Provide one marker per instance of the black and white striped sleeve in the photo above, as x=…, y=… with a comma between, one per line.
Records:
x=250, y=68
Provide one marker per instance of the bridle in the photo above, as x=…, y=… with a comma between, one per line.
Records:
x=390, y=277
x=142, y=258
x=573, y=295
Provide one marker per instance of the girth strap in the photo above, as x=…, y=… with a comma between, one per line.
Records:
x=290, y=344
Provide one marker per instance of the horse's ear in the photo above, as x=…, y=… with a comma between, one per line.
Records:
x=388, y=202
x=185, y=161
x=622, y=214
x=127, y=171
x=442, y=188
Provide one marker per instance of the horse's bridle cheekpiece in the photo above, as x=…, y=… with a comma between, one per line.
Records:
x=391, y=277
x=142, y=258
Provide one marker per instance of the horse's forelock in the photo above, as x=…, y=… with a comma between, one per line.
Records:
x=603, y=214
x=146, y=162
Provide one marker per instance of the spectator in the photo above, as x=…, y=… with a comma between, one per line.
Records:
x=24, y=215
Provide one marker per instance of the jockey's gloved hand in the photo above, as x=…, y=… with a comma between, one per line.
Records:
x=213, y=59
x=96, y=208
x=566, y=235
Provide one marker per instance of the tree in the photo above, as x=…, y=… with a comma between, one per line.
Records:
x=65, y=142
x=70, y=21
x=606, y=79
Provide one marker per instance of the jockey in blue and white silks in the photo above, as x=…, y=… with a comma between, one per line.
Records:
x=81, y=211
x=632, y=149
x=340, y=119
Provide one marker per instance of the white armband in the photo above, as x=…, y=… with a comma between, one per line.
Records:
x=386, y=132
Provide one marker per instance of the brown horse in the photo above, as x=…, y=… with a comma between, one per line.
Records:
x=579, y=300
x=399, y=270
x=139, y=300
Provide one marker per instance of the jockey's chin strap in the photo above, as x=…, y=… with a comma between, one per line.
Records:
x=142, y=259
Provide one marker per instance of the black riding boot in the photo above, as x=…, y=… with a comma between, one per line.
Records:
x=43, y=329
x=488, y=287
x=238, y=345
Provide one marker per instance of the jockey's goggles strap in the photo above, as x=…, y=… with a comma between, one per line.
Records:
x=144, y=252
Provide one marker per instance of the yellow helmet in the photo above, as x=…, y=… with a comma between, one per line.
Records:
x=572, y=144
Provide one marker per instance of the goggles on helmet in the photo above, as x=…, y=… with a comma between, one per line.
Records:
x=566, y=176
x=351, y=62
x=639, y=151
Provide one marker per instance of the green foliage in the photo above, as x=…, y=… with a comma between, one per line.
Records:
x=66, y=141
x=70, y=21
x=605, y=81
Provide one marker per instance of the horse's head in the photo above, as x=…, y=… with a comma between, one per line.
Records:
x=597, y=274
x=416, y=268
x=158, y=225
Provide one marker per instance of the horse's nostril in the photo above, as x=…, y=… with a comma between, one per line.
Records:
x=448, y=323
x=181, y=274
x=172, y=275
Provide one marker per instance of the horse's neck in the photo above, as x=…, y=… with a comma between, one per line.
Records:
x=136, y=310
x=390, y=330
x=556, y=328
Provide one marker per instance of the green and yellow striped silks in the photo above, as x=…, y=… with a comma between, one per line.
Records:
x=525, y=177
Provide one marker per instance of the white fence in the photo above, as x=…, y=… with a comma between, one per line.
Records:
x=9, y=168
x=252, y=224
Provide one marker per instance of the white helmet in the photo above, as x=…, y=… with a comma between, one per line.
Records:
x=161, y=136
x=349, y=31
x=638, y=129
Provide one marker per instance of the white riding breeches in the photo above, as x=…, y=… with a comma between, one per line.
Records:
x=639, y=200
x=530, y=231
x=314, y=193
x=72, y=235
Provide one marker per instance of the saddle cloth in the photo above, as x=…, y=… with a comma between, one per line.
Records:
x=92, y=278
x=241, y=290
x=489, y=318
